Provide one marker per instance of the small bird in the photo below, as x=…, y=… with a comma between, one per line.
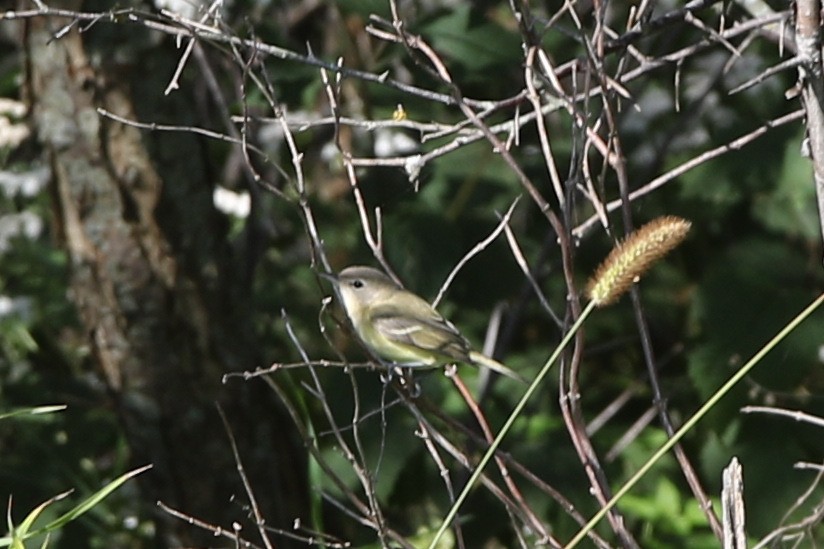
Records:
x=399, y=326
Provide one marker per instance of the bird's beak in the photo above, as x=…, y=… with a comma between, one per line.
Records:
x=330, y=277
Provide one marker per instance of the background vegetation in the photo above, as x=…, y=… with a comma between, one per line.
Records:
x=174, y=176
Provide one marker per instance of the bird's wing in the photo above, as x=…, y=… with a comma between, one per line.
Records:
x=423, y=329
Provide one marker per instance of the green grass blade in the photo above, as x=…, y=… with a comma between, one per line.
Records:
x=37, y=410
x=453, y=511
x=92, y=500
x=22, y=531
x=690, y=423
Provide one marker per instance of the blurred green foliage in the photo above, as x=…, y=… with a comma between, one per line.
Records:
x=753, y=259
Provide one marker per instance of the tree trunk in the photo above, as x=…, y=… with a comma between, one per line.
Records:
x=161, y=333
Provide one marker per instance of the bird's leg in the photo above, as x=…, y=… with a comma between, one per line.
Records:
x=450, y=370
x=414, y=386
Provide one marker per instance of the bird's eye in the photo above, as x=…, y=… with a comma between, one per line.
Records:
x=357, y=284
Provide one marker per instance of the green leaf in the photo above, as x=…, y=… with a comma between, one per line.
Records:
x=790, y=208
x=37, y=410
x=94, y=499
x=477, y=45
x=24, y=532
x=745, y=297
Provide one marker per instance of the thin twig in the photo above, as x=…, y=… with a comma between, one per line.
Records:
x=534, y=521
x=259, y=520
x=696, y=161
x=476, y=249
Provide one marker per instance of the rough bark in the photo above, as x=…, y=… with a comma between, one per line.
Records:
x=159, y=340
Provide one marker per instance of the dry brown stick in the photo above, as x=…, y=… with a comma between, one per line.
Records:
x=619, y=166
x=646, y=29
x=458, y=454
x=443, y=471
x=177, y=25
x=247, y=486
x=218, y=531
x=356, y=461
x=518, y=467
x=811, y=78
x=535, y=522
x=594, y=470
x=815, y=516
x=672, y=174
x=797, y=415
x=732, y=503
x=569, y=401
x=373, y=237
x=311, y=445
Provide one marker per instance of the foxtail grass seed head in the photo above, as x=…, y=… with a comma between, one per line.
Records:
x=630, y=259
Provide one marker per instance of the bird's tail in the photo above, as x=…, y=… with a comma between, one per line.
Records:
x=495, y=366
